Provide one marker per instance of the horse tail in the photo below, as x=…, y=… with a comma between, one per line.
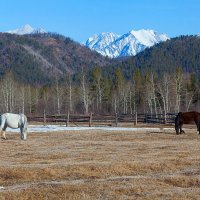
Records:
x=177, y=123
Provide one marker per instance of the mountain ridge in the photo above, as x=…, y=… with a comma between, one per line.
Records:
x=27, y=29
x=129, y=44
x=111, y=44
x=39, y=58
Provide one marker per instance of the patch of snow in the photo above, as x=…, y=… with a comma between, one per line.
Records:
x=51, y=128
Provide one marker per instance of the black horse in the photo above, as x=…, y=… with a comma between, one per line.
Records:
x=186, y=118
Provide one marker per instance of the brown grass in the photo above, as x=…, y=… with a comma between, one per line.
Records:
x=100, y=165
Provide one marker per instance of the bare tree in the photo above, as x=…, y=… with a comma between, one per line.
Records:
x=137, y=88
x=163, y=88
x=8, y=93
x=21, y=98
x=98, y=86
x=120, y=93
x=29, y=99
x=178, y=87
x=149, y=97
x=153, y=92
x=189, y=98
x=70, y=94
x=115, y=103
x=85, y=93
x=130, y=97
x=33, y=99
x=125, y=96
x=58, y=95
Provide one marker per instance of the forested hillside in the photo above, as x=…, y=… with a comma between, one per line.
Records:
x=39, y=58
x=162, y=79
x=181, y=52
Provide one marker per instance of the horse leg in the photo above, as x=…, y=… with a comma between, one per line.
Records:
x=181, y=130
x=3, y=128
x=198, y=127
x=21, y=132
x=3, y=133
x=178, y=124
x=177, y=129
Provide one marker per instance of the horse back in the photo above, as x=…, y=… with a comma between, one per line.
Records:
x=14, y=120
x=197, y=117
x=189, y=117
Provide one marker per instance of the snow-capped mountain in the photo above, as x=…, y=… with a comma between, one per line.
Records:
x=26, y=29
x=102, y=41
x=131, y=43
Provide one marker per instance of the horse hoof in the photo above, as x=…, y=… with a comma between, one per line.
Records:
x=182, y=132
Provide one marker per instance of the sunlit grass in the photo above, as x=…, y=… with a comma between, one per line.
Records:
x=100, y=165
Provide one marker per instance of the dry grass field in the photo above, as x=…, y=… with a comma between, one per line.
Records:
x=100, y=165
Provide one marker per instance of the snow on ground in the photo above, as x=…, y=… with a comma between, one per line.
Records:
x=51, y=128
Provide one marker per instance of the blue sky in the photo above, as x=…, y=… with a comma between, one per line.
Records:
x=80, y=19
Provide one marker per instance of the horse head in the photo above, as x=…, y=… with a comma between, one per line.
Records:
x=23, y=135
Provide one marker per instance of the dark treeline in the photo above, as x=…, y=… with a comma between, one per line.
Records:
x=144, y=92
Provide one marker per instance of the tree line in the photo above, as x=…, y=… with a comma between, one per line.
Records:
x=144, y=92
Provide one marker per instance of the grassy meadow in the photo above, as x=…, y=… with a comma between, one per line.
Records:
x=100, y=165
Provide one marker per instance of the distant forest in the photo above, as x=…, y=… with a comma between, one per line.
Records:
x=144, y=93
x=54, y=74
x=165, y=57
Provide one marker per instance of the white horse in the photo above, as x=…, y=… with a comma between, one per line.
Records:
x=14, y=121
